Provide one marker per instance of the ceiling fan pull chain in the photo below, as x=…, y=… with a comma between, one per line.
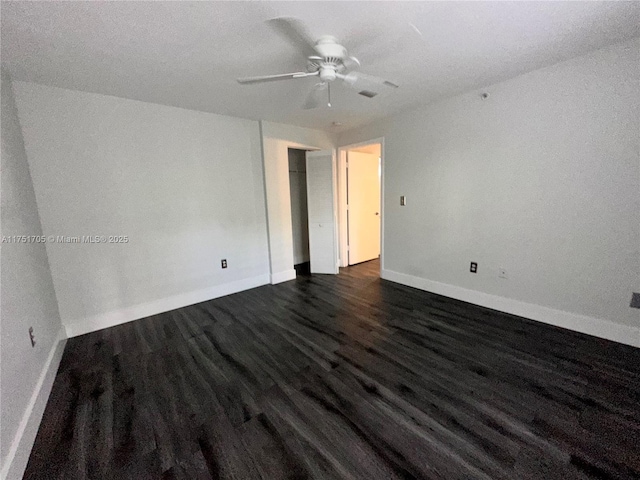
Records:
x=329, y=93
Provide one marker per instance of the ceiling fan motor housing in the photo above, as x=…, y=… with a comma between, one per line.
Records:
x=330, y=50
x=332, y=55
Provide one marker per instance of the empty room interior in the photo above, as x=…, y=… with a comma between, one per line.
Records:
x=320, y=240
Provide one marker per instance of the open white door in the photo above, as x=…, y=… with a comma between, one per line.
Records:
x=323, y=245
x=363, y=187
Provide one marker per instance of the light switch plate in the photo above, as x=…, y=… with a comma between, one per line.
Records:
x=403, y=200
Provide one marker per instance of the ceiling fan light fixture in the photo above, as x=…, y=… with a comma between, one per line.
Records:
x=327, y=74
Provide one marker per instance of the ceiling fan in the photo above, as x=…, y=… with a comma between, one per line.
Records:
x=327, y=60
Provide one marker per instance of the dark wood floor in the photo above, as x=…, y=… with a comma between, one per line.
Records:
x=343, y=376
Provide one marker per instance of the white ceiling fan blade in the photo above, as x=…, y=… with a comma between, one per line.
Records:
x=294, y=31
x=367, y=85
x=374, y=47
x=314, y=99
x=272, y=78
x=351, y=63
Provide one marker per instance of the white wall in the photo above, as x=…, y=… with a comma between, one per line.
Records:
x=186, y=187
x=28, y=300
x=299, y=212
x=276, y=140
x=542, y=179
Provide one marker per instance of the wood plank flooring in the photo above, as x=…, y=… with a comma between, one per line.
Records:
x=340, y=377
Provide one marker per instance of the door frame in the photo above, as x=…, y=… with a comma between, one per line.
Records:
x=342, y=199
x=291, y=274
x=306, y=148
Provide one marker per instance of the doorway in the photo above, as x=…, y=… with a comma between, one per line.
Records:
x=362, y=206
x=299, y=210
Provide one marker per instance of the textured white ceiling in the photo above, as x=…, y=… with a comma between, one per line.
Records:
x=188, y=54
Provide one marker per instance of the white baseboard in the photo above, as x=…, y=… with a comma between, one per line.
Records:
x=572, y=321
x=20, y=449
x=110, y=319
x=283, y=276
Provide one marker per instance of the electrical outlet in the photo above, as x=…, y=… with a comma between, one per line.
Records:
x=224, y=263
x=502, y=273
x=474, y=267
x=32, y=337
x=403, y=201
x=635, y=300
